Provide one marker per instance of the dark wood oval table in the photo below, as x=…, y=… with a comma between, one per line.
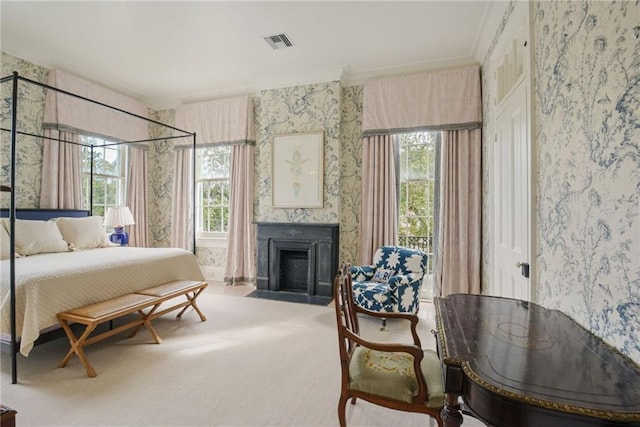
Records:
x=518, y=364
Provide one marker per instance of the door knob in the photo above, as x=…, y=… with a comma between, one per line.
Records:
x=524, y=268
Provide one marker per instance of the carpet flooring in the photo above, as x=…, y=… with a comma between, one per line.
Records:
x=290, y=297
x=254, y=362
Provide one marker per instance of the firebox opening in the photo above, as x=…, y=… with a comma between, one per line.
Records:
x=294, y=271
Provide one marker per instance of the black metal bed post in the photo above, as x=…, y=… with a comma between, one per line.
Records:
x=91, y=182
x=193, y=194
x=12, y=230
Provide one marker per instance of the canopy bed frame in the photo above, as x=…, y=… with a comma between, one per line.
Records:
x=13, y=212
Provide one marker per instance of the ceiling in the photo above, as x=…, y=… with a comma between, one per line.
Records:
x=166, y=53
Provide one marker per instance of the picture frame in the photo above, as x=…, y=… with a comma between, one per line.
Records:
x=297, y=170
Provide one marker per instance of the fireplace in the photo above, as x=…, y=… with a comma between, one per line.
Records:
x=299, y=259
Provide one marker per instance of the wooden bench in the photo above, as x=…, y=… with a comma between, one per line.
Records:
x=147, y=299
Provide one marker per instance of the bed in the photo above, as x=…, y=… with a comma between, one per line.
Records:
x=35, y=287
x=48, y=283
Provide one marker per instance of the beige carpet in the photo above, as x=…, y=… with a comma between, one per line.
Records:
x=253, y=363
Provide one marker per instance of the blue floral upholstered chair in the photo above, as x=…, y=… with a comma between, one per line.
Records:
x=392, y=283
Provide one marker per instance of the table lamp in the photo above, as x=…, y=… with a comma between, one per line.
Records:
x=118, y=217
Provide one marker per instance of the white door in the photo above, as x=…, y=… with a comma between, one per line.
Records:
x=511, y=202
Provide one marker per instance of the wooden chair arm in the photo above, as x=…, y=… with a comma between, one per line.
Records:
x=411, y=349
x=411, y=317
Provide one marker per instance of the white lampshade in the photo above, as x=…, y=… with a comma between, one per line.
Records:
x=118, y=217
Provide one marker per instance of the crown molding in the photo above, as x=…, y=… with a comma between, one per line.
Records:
x=491, y=19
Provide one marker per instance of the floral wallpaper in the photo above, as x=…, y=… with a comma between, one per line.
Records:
x=351, y=178
x=587, y=141
x=337, y=111
x=299, y=109
x=587, y=71
x=30, y=115
x=160, y=178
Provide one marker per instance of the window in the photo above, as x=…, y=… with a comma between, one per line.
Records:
x=416, y=188
x=108, y=174
x=212, y=190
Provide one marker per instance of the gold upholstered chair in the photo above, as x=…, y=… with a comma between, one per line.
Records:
x=398, y=376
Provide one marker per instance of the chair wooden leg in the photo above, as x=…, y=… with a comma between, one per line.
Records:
x=438, y=419
x=342, y=409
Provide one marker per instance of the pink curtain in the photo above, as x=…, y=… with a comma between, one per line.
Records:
x=459, y=233
x=61, y=171
x=137, y=195
x=240, y=265
x=379, y=212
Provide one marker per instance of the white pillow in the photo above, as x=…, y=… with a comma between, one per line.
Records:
x=5, y=251
x=83, y=233
x=36, y=237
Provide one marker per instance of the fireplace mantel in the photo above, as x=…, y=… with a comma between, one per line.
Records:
x=317, y=242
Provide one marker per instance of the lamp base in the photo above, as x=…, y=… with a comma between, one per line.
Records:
x=119, y=236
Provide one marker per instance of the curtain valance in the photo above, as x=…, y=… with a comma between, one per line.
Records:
x=447, y=99
x=68, y=113
x=222, y=121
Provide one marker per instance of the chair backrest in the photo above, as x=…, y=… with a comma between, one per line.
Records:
x=400, y=259
x=346, y=317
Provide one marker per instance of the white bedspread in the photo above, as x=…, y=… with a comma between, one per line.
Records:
x=47, y=284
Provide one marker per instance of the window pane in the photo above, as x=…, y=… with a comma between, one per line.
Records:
x=98, y=190
x=111, y=191
x=225, y=218
x=216, y=193
x=417, y=198
x=205, y=219
x=224, y=193
x=99, y=162
x=214, y=162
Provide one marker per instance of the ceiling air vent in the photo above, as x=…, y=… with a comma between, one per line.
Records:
x=279, y=41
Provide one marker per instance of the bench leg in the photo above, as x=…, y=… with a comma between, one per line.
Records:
x=192, y=303
x=146, y=321
x=77, y=345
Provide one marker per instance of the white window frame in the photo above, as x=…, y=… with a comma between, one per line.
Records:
x=430, y=176
x=210, y=238
x=120, y=176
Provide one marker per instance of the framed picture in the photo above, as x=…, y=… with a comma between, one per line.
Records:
x=297, y=174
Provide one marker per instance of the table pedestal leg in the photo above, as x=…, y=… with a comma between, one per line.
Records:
x=451, y=415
